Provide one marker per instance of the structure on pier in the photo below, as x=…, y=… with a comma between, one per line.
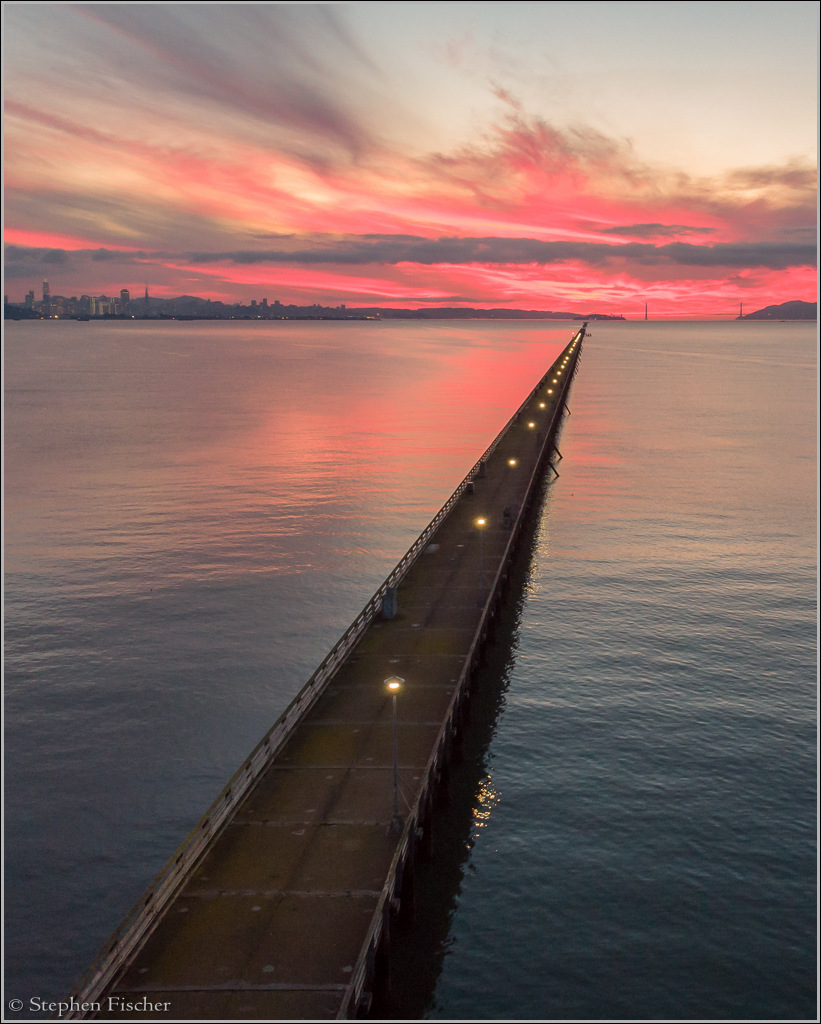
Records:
x=279, y=902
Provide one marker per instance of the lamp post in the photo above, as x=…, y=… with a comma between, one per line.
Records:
x=393, y=685
x=481, y=523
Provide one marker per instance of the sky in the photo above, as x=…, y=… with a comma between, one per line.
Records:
x=556, y=156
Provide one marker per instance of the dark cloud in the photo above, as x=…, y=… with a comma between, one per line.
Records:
x=22, y=261
x=393, y=249
x=24, y=254
x=26, y=261
x=792, y=176
x=115, y=256
x=656, y=230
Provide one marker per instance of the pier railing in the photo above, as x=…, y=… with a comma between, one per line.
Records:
x=146, y=913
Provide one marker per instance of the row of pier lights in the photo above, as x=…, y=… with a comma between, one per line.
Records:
x=481, y=522
x=393, y=684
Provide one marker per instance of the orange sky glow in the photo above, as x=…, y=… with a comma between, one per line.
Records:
x=222, y=158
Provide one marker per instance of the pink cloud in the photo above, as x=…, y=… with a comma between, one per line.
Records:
x=524, y=180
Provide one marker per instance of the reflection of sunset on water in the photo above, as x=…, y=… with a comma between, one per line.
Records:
x=309, y=425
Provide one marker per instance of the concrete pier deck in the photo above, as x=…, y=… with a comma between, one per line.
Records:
x=279, y=903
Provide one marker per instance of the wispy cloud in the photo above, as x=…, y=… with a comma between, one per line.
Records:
x=293, y=70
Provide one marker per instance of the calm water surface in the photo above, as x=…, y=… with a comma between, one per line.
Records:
x=194, y=512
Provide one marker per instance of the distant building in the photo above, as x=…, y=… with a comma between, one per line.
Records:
x=125, y=300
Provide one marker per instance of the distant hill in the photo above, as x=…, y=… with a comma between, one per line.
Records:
x=795, y=310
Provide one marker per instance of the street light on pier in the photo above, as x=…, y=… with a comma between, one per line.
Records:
x=393, y=684
x=481, y=523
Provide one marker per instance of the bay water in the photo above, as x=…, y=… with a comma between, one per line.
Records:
x=195, y=511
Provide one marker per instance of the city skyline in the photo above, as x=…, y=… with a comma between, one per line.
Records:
x=547, y=156
x=88, y=305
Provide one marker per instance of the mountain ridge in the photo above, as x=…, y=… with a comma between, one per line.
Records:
x=795, y=309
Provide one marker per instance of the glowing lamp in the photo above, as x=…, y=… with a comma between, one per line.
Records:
x=393, y=684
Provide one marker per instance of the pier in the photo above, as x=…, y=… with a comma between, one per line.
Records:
x=279, y=903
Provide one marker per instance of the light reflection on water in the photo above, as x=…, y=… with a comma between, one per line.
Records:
x=194, y=513
x=486, y=800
